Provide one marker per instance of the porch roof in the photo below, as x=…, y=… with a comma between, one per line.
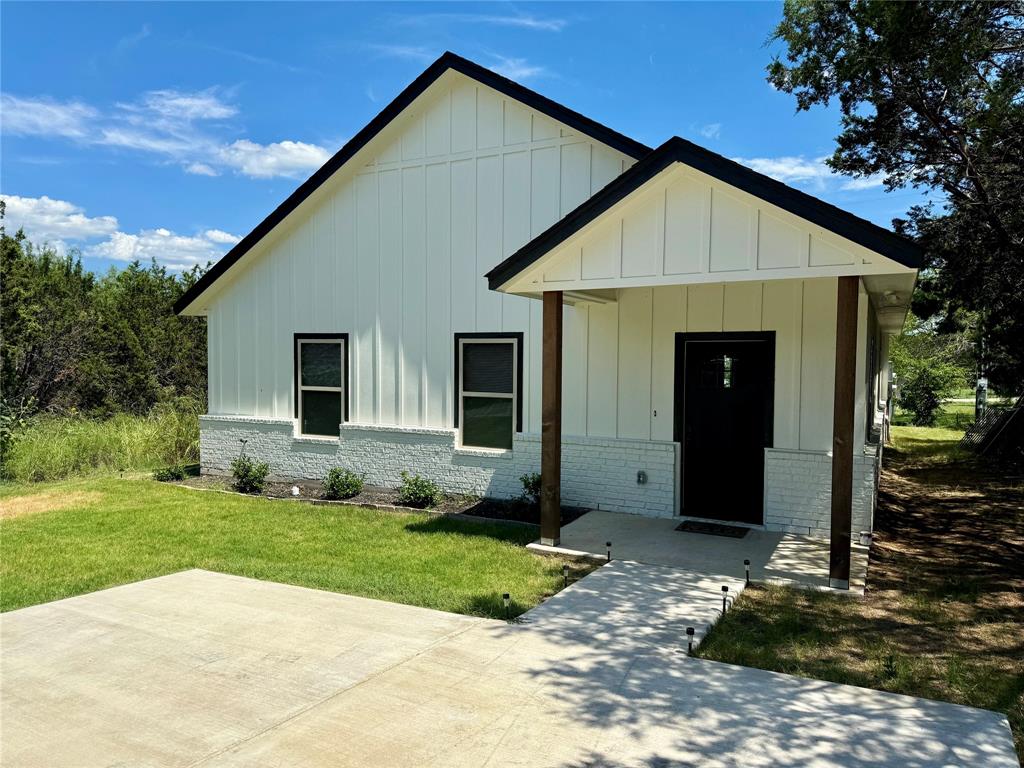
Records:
x=847, y=244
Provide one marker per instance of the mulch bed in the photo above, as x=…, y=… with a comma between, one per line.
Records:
x=509, y=510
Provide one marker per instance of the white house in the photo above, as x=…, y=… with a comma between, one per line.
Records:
x=482, y=275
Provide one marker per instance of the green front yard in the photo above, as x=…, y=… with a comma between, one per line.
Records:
x=64, y=539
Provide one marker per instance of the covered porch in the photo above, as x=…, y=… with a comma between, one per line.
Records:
x=767, y=367
x=776, y=558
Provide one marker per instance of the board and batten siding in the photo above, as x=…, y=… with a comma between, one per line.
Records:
x=684, y=226
x=630, y=360
x=393, y=250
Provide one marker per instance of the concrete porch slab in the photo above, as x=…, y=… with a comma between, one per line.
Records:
x=780, y=558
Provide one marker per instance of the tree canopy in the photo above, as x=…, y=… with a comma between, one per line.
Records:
x=76, y=342
x=931, y=95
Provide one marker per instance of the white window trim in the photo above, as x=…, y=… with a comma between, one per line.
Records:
x=304, y=388
x=514, y=395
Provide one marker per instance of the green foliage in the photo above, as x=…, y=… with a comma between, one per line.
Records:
x=531, y=487
x=342, y=484
x=416, y=491
x=169, y=474
x=13, y=421
x=931, y=94
x=77, y=343
x=51, y=447
x=250, y=475
x=929, y=367
x=922, y=391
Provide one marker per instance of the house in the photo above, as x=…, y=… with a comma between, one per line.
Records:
x=484, y=283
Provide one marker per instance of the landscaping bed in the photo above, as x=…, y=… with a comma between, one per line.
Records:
x=507, y=510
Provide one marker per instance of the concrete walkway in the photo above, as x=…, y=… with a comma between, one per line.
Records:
x=627, y=607
x=775, y=557
x=204, y=669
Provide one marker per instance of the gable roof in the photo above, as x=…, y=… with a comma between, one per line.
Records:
x=447, y=61
x=677, y=150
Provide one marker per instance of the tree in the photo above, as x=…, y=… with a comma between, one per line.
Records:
x=929, y=367
x=931, y=95
x=71, y=341
x=45, y=315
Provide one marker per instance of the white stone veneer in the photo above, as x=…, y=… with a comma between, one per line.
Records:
x=798, y=491
x=600, y=473
x=596, y=472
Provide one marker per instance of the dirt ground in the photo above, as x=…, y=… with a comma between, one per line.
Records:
x=33, y=503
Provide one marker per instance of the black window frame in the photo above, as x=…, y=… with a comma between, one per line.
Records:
x=342, y=338
x=482, y=336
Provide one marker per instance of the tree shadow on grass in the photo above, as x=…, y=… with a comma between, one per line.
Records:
x=513, y=534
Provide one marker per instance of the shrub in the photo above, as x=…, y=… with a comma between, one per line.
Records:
x=417, y=491
x=531, y=488
x=250, y=476
x=926, y=384
x=167, y=474
x=342, y=484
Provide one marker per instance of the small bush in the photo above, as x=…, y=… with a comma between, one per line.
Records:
x=531, y=488
x=342, y=484
x=250, y=476
x=417, y=491
x=168, y=474
x=924, y=387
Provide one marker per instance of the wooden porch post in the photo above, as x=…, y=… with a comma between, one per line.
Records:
x=551, y=422
x=842, y=431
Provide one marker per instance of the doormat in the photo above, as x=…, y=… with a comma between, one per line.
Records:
x=713, y=529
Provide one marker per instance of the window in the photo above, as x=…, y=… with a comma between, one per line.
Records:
x=321, y=382
x=488, y=377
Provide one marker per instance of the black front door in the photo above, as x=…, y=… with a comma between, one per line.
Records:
x=723, y=420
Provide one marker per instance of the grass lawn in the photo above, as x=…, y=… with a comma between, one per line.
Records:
x=943, y=616
x=63, y=539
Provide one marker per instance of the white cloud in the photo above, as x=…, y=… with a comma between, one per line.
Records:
x=282, y=158
x=168, y=248
x=411, y=52
x=181, y=127
x=44, y=117
x=864, y=182
x=809, y=172
x=182, y=106
x=146, y=141
x=130, y=41
x=791, y=169
x=55, y=222
x=521, y=21
x=61, y=224
x=201, y=169
x=516, y=68
x=220, y=236
x=710, y=131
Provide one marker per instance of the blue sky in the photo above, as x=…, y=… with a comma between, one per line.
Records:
x=170, y=130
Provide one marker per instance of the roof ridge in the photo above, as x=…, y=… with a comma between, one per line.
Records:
x=446, y=61
x=677, y=149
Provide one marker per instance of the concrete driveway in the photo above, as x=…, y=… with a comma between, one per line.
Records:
x=204, y=669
